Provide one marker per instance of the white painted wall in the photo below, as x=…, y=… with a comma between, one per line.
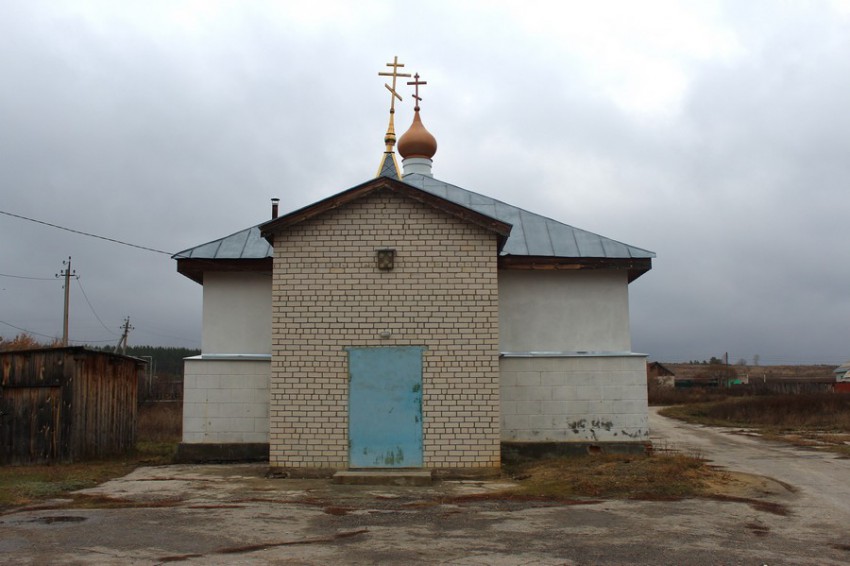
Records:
x=563, y=311
x=574, y=399
x=237, y=317
x=597, y=396
x=226, y=400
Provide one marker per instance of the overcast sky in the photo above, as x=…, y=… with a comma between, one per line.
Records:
x=716, y=134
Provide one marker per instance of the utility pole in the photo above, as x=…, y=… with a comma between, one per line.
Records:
x=67, y=273
x=122, y=343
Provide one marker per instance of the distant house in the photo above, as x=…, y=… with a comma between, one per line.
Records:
x=660, y=374
x=842, y=378
x=407, y=322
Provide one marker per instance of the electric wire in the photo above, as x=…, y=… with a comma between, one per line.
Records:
x=30, y=278
x=25, y=330
x=91, y=307
x=53, y=337
x=113, y=240
x=88, y=302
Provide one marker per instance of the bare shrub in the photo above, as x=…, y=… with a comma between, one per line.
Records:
x=160, y=422
x=662, y=396
x=24, y=341
x=822, y=411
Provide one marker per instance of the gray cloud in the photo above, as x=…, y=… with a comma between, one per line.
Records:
x=718, y=139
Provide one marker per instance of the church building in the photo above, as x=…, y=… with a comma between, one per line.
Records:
x=410, y=323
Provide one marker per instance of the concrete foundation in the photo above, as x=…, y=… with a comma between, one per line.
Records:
x=195, y=453
x=513, y=452
x=384, y=477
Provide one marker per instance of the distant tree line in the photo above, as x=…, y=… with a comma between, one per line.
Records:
x=712, y=362
x=718, y=361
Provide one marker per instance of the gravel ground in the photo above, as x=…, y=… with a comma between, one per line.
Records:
x=234, y=515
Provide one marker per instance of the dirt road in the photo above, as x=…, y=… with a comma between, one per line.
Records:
x=821, y=479
x=234, y=515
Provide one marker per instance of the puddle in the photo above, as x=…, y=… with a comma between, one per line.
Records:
x=49, y=520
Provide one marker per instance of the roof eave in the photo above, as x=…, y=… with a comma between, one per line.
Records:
x=634, y=266
x=194, y=268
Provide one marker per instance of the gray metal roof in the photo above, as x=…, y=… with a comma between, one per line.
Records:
x=531, y=235
x=245, y=244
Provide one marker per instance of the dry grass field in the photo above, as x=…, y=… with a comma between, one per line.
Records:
x=690, y=371
x=160, y=422
x=653, y=477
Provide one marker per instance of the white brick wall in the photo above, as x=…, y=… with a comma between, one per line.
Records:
x=574, y=399
x=226, y=401
x=328, y=294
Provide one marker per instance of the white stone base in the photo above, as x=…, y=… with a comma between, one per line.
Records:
x=574, y=398
x=226, y=400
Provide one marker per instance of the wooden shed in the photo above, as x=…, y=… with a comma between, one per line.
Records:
x=66, y=404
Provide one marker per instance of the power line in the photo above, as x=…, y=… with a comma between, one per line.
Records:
x=31, y=278
x=53, y=337
x=25, y=330
x=85, y=233
x=86, y=297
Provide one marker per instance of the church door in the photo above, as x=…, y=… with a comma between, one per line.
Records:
x=385, y=407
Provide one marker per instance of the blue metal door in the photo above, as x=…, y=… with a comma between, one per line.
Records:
x=385, y=407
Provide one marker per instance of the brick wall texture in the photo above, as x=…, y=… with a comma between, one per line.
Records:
x=328, y=294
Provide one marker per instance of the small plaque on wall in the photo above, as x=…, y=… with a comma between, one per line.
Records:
x=385, y=259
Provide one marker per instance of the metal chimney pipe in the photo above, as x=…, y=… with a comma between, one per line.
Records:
x=275, y=202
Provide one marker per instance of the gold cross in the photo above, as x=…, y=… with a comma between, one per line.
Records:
x=394, y=74
x=416, y=82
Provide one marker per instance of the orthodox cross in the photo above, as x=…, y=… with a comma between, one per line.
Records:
x=394, y=74
x=416, y=82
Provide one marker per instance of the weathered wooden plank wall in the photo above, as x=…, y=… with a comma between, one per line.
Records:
x=104, y=402
x=66, y=404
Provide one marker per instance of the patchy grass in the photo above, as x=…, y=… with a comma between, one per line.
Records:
x=24, y=485
x=613, y=476
x=158, y=432
x=817, y=420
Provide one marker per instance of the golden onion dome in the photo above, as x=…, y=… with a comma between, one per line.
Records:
x=417, y=141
